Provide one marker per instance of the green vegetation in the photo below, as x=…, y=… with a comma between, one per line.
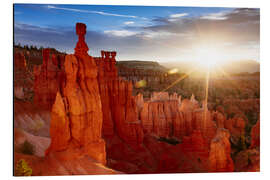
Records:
x=22, y=168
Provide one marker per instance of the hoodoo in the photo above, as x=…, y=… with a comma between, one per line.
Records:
x=120, y=114
x=76, y=118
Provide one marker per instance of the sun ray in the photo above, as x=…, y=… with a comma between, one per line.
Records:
x=232, y=81
x=206, y=96
x=180, y=79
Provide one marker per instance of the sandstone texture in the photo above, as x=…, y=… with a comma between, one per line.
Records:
x=48, y=79
x=120, y=114
x=220, y=153
x=23, y=79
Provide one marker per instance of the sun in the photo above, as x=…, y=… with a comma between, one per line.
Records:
x=208, y=57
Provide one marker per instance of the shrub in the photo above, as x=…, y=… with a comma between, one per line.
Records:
x=22, y=168
x=27, y=148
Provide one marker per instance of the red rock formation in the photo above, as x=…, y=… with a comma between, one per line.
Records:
x=236, y=126
x=120, y=112
x=163, y=117
x=220, y=153
x=48, y=79
x=203, y=121
x=23, y=83
x=195, y=143
x=219, y=118
x=76, y=122
x=255, y=135
x=106, y=75
x=248, y=161
x=139, y=101
x=195, y=152
x=19, y=61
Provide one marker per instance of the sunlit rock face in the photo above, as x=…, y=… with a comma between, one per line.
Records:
x=76, y=118
x=168, y=116
x=120, y=114
x=48, y=79
x=220, y=153
x=160, y=118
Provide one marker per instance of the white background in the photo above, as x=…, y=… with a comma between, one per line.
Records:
x=6, y=101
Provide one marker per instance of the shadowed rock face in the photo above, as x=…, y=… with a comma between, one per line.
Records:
x=48, y=79
x=248, y=161
x=23, y=84
x=76, y=118
x=255, y=135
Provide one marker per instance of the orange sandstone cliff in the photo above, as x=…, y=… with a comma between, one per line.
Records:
x=48, y=79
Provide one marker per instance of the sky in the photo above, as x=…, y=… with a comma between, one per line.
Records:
x=153, y=33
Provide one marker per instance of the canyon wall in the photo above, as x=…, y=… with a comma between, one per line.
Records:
x=23, y=84
x=48, y=78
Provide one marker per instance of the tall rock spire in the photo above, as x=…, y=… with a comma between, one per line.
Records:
x=81, y=47
x=76, y=117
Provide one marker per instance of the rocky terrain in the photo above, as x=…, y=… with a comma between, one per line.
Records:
x=78, y=114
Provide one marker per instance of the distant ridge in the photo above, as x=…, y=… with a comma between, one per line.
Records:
x=240, y=66
x=153, y=65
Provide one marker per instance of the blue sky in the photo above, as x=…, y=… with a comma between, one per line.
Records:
x=141, y=32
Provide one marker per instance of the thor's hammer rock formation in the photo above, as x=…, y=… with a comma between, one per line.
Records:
x=76, y=117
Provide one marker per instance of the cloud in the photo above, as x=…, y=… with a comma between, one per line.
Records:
x=237, y=25
x=121, y=33
x=178, y=15
x=29, y=27
x=215, y=16
x=94, y=12
x=129, y=22
x=161, y=39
